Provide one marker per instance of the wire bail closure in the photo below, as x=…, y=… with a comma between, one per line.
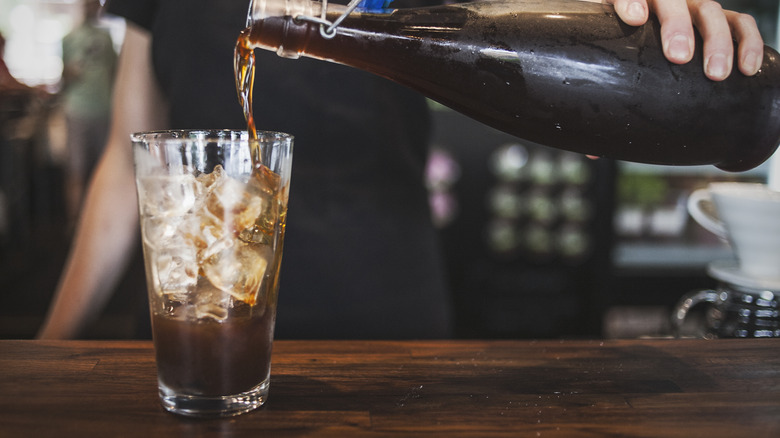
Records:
x=328, y=29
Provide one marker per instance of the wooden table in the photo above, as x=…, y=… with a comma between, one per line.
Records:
x=644, y=388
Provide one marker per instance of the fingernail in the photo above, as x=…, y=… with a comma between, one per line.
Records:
x=679, y=48
x=751, y=62
x=636, y=11
x=717, y=66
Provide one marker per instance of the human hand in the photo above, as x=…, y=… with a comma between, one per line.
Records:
x=718, y=28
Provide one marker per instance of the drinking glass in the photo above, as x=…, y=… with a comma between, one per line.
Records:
x=213, y=207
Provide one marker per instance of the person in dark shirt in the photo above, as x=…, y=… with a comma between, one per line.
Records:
x=360, y=258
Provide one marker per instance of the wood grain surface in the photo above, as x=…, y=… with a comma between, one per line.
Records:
x=634, y=388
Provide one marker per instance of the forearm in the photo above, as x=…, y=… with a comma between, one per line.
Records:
x=101, y=248
x=109, y=222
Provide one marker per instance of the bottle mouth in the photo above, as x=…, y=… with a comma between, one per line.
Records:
x=261, y=9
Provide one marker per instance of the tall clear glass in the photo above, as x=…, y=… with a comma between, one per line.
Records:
x=213, y=206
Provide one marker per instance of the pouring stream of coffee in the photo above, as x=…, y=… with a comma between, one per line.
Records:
x=244, y=59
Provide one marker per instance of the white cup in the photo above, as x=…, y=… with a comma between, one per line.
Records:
x=748, y=217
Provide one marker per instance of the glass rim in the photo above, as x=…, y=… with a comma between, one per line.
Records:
x=206, y=134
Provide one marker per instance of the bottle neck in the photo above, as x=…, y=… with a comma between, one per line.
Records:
x=283, y=25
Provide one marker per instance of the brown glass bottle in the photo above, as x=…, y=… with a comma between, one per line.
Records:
x=565, y=74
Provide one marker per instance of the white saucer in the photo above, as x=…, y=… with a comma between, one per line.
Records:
x=730, y=272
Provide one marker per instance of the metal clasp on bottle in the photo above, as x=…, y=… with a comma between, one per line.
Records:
x=327, y=28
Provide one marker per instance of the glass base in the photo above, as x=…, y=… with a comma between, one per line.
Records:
x=221, y=406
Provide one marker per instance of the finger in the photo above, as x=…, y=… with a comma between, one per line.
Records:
x=632, y=12
x=676, y=29
x=751, y=46
x=718, y=50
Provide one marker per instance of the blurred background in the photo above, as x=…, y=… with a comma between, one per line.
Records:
x=539, y=243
